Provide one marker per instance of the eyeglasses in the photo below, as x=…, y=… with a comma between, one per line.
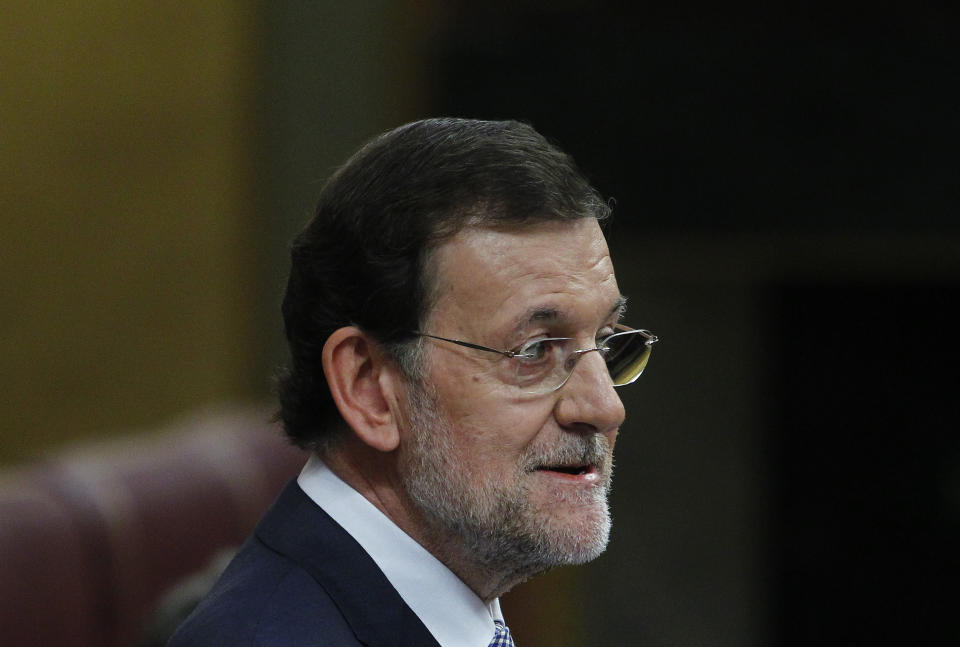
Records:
x=544, y=365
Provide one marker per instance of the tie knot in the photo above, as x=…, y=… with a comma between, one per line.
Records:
x=502, y=636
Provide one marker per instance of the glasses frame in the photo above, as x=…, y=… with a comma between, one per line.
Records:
x=619, y=329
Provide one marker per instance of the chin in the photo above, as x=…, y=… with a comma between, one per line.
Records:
x=575, y=536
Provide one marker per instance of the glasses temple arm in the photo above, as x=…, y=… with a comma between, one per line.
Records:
x=467, y=344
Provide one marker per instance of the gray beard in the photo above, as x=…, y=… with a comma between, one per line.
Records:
x=496, y=522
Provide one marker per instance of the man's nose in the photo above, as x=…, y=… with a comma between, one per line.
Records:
x=588, y=399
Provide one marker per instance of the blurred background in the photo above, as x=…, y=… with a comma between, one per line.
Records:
x=786, y=186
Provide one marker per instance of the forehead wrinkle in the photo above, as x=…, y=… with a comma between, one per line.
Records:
x=492, y=256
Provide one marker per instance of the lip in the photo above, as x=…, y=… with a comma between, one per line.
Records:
x=590, y=474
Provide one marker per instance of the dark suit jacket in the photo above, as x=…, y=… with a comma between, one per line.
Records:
x=301, y=580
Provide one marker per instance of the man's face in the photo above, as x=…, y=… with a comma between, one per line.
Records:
x=520, y=479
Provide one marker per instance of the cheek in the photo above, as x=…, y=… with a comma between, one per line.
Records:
x=490, y=423
x=499, y=434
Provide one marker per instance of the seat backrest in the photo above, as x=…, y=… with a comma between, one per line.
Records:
x=143, y=512
x=47, y=592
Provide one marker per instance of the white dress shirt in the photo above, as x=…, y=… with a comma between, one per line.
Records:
x=450, y=610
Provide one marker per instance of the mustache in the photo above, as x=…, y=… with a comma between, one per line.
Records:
x=584, y=450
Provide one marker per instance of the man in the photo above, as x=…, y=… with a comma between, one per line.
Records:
x=453, y=320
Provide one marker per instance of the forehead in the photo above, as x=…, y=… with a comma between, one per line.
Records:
x=491, y=281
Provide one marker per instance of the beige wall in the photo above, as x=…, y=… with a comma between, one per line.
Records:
x=127, y=269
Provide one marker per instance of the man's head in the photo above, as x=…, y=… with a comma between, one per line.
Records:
x=363, y=259
x=450, y=264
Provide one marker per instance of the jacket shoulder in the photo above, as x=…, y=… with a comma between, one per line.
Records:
x=264, y=599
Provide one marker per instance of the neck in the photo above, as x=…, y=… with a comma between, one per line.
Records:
x=375, y=476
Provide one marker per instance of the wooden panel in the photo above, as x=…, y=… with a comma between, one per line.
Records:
x=126, y=271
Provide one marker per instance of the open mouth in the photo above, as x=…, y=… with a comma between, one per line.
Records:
x=572, y=470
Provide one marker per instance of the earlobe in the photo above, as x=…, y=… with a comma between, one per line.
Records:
x=355, y=369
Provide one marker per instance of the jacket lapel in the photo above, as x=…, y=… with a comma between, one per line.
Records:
x=298, y=528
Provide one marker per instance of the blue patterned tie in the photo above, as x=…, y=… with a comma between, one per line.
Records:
x=502, y=638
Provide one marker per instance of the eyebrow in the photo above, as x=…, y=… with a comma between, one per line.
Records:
x=553, y=314
x=619, y=307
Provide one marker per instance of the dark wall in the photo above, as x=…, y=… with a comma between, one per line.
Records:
x=786, y=220
x=728, y=119
x=865, y=469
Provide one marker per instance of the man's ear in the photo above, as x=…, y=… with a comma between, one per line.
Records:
x=360, y=376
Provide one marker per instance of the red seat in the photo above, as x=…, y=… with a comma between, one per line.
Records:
x=47, y=592
x=143, y=512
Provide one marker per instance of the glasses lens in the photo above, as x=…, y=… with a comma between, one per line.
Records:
x=628, y=354
x=540, y=366
x=544, y=365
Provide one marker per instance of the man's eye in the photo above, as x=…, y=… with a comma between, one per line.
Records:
x=535, y=350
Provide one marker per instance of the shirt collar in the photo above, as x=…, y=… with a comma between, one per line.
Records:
x=453, y=613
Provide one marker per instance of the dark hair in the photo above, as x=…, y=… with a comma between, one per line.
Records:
x=360, y=261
